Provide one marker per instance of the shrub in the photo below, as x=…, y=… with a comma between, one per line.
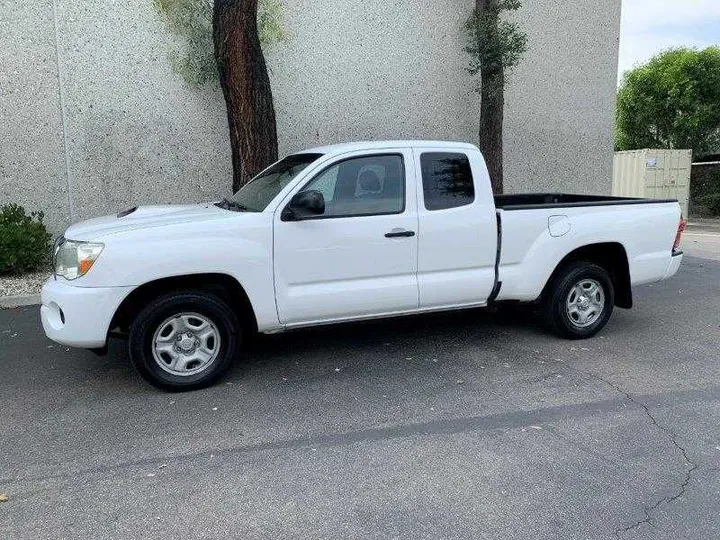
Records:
x=711, y=202
x=705, y=190
x=24, y=240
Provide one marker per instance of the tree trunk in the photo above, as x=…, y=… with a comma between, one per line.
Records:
x=246, y=87
x=492, y=108
x=491, y=126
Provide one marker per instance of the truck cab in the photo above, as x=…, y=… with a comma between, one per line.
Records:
x=386, y=242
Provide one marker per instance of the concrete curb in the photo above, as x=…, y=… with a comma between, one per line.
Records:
x=19, y=301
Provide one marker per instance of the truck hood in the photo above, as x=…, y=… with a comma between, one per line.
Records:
x=144, y=217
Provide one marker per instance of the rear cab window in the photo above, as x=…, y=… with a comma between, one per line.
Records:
x=447, y=180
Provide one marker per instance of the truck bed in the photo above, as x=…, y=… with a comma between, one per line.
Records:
x=552, y=225
x=529, y=201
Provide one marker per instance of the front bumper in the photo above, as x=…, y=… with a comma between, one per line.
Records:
x=79, y=316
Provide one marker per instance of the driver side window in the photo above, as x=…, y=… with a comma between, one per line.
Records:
x=362, y=186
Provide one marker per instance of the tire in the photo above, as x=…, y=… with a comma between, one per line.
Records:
x=579, y=300
x=184, y=341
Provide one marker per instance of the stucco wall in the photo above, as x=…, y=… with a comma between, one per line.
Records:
x=32, y=160
x=135, y=132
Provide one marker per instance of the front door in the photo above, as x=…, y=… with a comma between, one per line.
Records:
x=359, y=258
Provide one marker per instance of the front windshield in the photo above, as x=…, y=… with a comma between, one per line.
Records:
x=260, y=191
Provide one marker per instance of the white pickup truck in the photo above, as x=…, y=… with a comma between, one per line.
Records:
x=341, y=233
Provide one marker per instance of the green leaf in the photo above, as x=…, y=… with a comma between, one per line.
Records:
x=24, y=240
x=191, y=20
x=494, y=45
x=671, y=102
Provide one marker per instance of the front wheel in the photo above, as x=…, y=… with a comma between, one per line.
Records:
x=184, y=341
x=579, y=300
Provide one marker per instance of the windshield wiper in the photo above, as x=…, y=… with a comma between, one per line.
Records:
x=227, y=204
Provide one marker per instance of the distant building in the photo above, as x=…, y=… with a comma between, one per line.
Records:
x=94, y=119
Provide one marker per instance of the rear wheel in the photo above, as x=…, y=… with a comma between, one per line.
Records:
x=184, y=341
x=579, y=300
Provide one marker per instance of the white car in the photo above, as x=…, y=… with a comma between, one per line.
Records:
x=341, y=233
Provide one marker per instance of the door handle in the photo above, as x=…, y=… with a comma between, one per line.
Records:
x=399, y=233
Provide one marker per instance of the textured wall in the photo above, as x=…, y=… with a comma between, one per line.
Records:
x=32, y=160
x=376, y=69
x=560, y=109
x=136, y=133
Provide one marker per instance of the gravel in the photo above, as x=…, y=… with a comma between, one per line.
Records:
x=23, y=284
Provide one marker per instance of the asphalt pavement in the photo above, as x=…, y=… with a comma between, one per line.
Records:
x=465, y=425
x=702, y=239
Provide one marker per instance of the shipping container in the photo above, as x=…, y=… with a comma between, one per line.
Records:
x=654, y=174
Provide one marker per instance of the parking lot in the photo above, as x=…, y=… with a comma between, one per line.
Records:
x=464, y=425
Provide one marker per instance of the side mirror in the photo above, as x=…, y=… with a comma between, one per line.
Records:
x=304, y=205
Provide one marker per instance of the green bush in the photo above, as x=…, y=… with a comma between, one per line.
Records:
x=711, y=202
x=24, y=240
x=705, y=190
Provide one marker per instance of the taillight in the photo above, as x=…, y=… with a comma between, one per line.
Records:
x=678, y=237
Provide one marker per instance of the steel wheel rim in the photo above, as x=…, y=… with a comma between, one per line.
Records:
x=186, y=344
x=585, y=303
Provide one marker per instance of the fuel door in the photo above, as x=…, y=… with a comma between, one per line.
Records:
x=558, y=225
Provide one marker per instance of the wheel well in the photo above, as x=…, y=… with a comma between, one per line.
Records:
x=224, y=286
x=612, y=257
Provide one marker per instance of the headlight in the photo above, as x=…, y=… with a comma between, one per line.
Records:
x=74, y=259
